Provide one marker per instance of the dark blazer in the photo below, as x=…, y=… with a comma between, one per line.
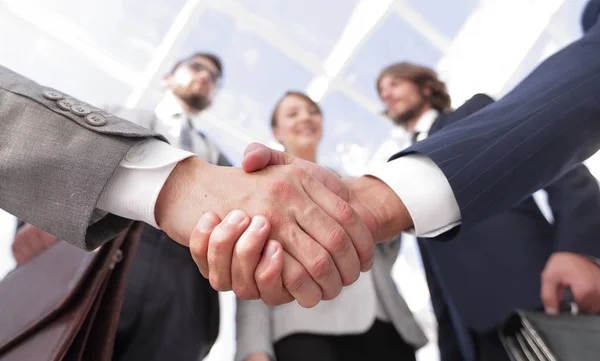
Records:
x=494, y=267
x=499, y=156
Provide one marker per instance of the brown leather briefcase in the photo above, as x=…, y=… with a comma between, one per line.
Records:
x=65, y=303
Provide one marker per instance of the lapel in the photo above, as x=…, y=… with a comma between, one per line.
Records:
x=438, y=124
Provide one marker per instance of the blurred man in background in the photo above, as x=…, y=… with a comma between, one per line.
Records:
x=170, y=311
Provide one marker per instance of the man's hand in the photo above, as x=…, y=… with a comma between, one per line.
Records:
x=580, y=273
x=252, y=251
x=319, y=230
x=378, y=205
x=29, y=242
x=375, y=202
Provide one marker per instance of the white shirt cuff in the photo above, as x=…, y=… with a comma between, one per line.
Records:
x=133, y=189
x=424, y=190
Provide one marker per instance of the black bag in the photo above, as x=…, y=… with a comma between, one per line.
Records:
x=537, y=336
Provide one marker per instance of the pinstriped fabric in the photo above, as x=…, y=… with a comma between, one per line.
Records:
x=551, y=121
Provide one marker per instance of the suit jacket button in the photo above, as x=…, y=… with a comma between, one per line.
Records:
x=79, y=109
x=135, y=154
x=66, y=104
x=52, y=95
x=95, y=119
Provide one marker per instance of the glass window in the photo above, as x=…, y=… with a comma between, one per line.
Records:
x=315, y=25
x=256, y=74
x=50, y=62
x=394, y=41
x=447, y=16
x=351, y=134
x=128, y=29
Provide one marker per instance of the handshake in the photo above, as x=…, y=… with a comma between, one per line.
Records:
x=280, y=228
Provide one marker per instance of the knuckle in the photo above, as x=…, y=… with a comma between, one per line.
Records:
x=247, y=250
x=352, y=277
x=281, y=188
x=221, y=240
x=345, y=213
x=295, y=280
x=321, y=267
x=218, y=283
x=338, y=241
x=263, y=280
x=298, y=172
x=331, y=294
x=246, y=292
x=312, y=211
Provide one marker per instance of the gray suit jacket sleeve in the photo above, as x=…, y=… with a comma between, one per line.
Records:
x=253, y=329
x=54, y=165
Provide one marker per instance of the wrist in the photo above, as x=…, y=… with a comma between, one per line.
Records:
x=175, y=198
x=382, y=210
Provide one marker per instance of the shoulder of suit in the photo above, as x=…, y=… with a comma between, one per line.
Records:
x=143, y=117
x=479, y=98
x=475, y=103
x=590, y=15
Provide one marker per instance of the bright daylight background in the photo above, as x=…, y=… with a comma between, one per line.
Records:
x=115, y=52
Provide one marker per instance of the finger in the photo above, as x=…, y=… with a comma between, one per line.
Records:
x=19, y=254
x=257, y=156
x=585, y=294
x=268, y=276
x=49, y=240
x=346, y=238
x=281, y=279
x=199, y=240
x=299, y=283
x=26, y=249
x=311, y=255
x=39, y=242
x=246, y=255
x=551, y=293
x=220, y=249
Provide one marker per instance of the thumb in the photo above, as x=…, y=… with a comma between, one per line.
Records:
x=258, y=156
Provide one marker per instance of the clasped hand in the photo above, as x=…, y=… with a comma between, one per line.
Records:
x=303, y=233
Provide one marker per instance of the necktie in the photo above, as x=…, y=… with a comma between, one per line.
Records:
x=415, y=137
x=195, y=141
x=185, y=136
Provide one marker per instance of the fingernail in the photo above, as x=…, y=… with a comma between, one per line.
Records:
x=206, y=223
x=271, y=250
x=258, y=223
x=551, y=311
x=235, y=217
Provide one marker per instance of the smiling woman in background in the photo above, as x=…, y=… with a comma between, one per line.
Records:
x=368, y=320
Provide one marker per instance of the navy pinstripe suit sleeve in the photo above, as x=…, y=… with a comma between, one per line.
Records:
x=549, y=123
